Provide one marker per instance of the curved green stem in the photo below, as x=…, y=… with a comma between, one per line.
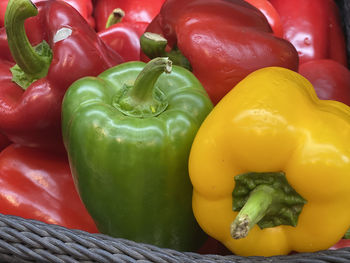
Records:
x=115, y=17
x=143, y=99
x=34, y=62
x=154, y=45
x=145, y=81
x=253, y=211
x=265, y=199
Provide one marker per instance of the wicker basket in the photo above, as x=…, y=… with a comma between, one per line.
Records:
x=23, y=240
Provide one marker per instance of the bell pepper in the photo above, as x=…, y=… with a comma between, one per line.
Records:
x=84, y=7
x=330, y=79
x=128, y=134
x=123, y=36
x=135, y=11
x=219, y=56
x=271, y=15
x=120, y=24
x=270, y=177
x=66, y=49
x=341, y=244
x=314, y=28
x=36, y=184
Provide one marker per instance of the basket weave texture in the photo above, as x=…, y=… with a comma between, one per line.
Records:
x=24, y=241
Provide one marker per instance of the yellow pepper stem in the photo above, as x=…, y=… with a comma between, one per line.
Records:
x=259, y=201
x=265, y=199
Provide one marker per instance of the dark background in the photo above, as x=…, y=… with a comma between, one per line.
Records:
x=344, y=8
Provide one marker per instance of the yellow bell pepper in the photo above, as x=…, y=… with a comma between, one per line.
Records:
x=271, y=149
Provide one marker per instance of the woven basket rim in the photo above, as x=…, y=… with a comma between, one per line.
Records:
x=28, y=240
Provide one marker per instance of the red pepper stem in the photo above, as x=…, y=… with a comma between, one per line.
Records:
x=154, y=45
x=115, y=17
x=258, y=203
x=23, y=53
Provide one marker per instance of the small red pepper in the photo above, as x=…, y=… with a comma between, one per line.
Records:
x=124, y=36
x=341, y=244
x=84, y=7
x=330, y=79
x=221, y=41
x=32, y=116
x=314, y=28
x=35, y=184
x=120, y=24
x=271, y=15
x=135, y=11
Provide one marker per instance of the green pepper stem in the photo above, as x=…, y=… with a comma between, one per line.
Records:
x=145, y=81
x=258, y=203
x=115, y=17
x=154, y=45
x=144, y=99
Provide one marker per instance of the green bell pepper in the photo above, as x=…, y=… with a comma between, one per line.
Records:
x=128, y=134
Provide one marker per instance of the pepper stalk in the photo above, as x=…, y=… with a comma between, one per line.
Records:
x=32, y=62
x=143, y=99
x=154, y=45
x=265, y=199
x=115, y=17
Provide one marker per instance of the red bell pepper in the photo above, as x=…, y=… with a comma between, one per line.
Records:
x=35, y=184
x=135, y=11
x=120, y=24
x=32, y=116
x=314, y=28
x=84, y=7
x=4, y=142
x=221, y=41
x=330, y=79
x=341, y=244
x=271, y=15
x=124, y=36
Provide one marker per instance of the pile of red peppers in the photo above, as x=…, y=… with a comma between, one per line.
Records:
x=53, y=43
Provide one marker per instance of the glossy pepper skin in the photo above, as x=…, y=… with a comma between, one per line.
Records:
x=341, y=244
x=219, y=56
x=37, y=184
x=135, y=11
x=32, y=116
x=124, y=37
x=314, y=28
x=84, y=7
x=257, y=128
x=271, y=15
x=128, y=134
x=330, y=79
x=120, y=24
